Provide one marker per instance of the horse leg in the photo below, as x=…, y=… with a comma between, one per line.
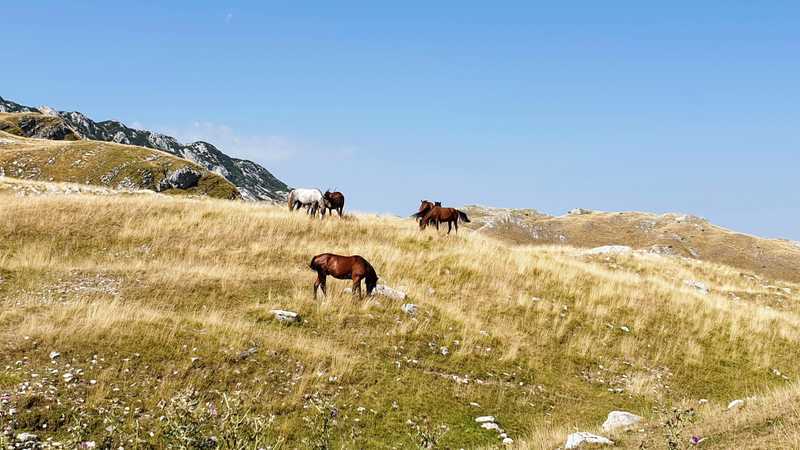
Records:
x=449, y=226
x=340, y=209
x=320, y=281
x=455, y=223
x=357, y=286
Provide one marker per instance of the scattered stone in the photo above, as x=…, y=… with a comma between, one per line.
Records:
x=736, y=404
x=247, y=353
x=508, y=441
x=195, y=359
x=27, y=438
x=575, y=440
x=696, y=440
x=609, y=250
x=483, y=419
x=580, y=211
x=285, y=316
x=409, y=308
x=388, y=292
x=68, y=377
x=491, y=426
x=620, y=419
x=444, y=351
x=625, y=329
x=703, y=401
x=699, y=285
x=54, y=355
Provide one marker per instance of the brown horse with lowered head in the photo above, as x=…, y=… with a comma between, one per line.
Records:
x=334, y=202
x=438, y=214
x=353, y=268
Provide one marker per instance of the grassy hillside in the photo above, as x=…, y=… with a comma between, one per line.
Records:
x=37, y=125
x=669, y=234
x=100, y=163
x=159, y=308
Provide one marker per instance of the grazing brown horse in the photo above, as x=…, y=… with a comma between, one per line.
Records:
x=438, y=214
x=353, y=268
x=334, y=201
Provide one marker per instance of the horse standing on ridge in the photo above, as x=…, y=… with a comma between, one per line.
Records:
x=353, y=268
x=311, y=199
x=335, y=201
x=425, y=206
x=438, y=214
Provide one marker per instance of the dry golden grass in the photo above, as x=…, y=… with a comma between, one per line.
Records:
x=105, y=164
x=680, y=235
x=533, y=334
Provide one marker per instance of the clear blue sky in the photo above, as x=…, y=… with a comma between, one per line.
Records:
x=619, y=105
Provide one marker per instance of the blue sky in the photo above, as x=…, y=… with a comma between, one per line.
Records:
x=614, y=105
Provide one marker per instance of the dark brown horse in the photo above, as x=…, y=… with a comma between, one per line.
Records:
x=439, y=214
x=353, y=268
x=334, y=201
x=425, y=206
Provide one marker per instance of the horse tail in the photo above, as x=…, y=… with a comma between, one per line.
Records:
x=463, y=216
x=313, y=264
x=290, y=198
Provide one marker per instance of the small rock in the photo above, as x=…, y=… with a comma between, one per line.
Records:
x=575, y=440
x=285, y=316
x=491, y=426
x=702, y=401
x=388, y=292
x=620, y=419
x=508, y=441
x=27, y=437
x=625, y=329
x=736, y=404
x=444, y=351
x=68, y=377
x=699, y=285
x=54, y=355
x=409, y=308
x=483, y=419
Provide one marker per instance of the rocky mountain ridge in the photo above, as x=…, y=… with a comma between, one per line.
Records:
x=253, y=181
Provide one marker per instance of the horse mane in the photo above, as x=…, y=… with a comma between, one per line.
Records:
x=371, y=278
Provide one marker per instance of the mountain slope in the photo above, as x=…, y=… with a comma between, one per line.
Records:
x=665, y=234
x=253, y=181
x=106, y=164
x=145, y=321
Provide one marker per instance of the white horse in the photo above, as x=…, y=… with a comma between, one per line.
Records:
x=311, y=199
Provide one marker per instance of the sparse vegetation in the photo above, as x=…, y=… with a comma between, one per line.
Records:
x=158, y=308
x=102, y=164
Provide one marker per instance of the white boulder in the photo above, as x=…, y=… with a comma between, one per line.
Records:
x=610, y=250
x=388, y=292
x=484, y=419
x=575, y=440
x=409, y=308
x=736, y=404
x=620, y=420
x=699, y=285
x=285, y=316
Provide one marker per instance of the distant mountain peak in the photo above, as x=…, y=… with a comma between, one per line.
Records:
x=253, y=181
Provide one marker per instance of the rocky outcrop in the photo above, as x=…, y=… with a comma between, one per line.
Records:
x=183, y=178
